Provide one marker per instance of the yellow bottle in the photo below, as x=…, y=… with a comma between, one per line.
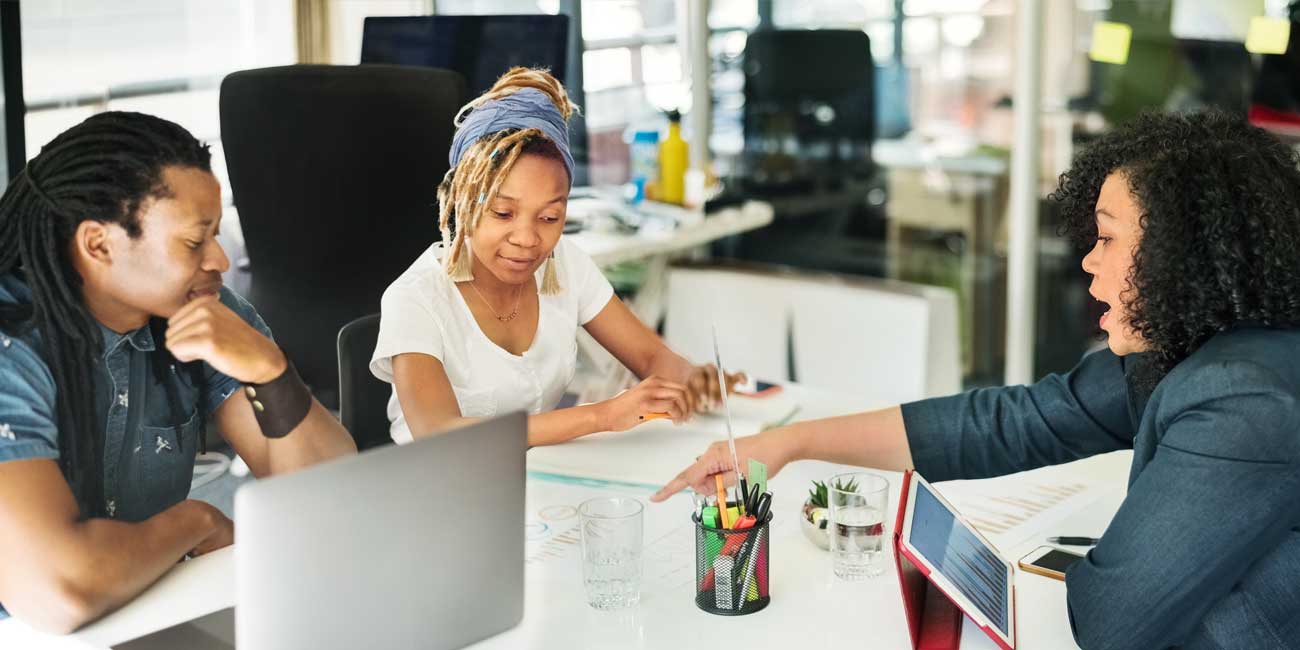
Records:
x=673, y=158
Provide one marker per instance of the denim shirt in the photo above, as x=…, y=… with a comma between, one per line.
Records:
x=1204, y=552
x=147, y=467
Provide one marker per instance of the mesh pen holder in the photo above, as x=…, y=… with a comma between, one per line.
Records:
x=731, y=568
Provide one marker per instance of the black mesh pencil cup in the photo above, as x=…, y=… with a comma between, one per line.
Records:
x=731, y=568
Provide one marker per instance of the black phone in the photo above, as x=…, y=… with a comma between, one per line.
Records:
x=1049, y=561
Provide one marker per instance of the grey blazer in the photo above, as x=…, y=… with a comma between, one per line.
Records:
x=1205, y=549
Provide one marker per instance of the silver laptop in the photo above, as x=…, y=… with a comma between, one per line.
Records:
x=418, y=546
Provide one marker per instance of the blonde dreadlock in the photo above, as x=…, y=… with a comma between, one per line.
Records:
x=473, y=182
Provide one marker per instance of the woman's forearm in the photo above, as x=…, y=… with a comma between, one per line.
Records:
x=549, y=428
x=562, y=425
x=667, y=364
x=874, y=439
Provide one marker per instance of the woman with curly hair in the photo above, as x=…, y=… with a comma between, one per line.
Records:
x=1194, y=227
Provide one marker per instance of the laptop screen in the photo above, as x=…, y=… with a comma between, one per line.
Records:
x=963, y=558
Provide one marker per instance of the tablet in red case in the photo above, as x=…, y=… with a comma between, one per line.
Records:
x=935, y=603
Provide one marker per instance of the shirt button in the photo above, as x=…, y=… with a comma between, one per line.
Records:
x=250, y=392
x=122, y=399
x=112, y=507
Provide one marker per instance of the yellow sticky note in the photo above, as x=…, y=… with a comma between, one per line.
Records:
x=1110, y=42
x=1268, y=35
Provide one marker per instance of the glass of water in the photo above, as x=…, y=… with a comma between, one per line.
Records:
x=611, y=551
x=858, y=503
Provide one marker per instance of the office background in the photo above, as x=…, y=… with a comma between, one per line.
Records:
x=916, y=187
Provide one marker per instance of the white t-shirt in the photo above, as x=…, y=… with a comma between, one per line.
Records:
x=422, y=311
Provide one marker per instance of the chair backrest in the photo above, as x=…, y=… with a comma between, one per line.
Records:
x=889, y=341
x=334, y=172
x=892, y=341
x=363, y=399
x=753, y=327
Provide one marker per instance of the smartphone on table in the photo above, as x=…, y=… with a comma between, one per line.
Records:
x=761, y=389
x=1049, y=561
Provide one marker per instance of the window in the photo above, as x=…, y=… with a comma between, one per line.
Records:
x=163, y=57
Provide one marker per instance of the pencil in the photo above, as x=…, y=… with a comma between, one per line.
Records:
x=722, y=501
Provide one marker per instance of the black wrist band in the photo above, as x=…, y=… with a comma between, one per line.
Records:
x=280, y=404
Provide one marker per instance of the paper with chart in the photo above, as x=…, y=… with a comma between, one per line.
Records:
x=1010, y=509
x=553, y=543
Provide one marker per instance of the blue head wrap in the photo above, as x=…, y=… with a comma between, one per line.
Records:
x=526, y=108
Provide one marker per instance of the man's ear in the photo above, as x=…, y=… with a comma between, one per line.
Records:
x=92, y=243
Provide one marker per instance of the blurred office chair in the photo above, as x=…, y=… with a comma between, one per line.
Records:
x=334, y=172
x=363, y=399
x=893, y=342
x=752, y=323
x=887, y=341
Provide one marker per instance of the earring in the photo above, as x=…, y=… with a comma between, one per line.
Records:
x=550, y=283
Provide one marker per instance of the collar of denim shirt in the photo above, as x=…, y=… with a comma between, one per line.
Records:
x=140, y=339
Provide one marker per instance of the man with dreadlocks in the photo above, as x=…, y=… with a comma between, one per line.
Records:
x=486, y=320
x=117, y=342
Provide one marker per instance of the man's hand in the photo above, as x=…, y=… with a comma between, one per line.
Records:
x=205, y=329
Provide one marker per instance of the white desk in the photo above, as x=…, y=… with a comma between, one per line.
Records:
x=809, y=608
x=608, y=248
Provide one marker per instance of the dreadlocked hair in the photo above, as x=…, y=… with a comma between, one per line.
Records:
x=466, y=190
x=104, y=168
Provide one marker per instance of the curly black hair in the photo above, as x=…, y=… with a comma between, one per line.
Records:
x=1220, y=220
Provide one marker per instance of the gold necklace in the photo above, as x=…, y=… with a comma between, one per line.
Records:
x=519, y=293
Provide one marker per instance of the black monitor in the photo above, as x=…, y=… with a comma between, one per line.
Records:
x=480, y=48
x=809, y=104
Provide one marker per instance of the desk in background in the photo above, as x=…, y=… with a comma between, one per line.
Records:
x=668, y=232
x=807, y=601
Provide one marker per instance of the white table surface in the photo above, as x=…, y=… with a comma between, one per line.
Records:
x=809, y=606
x=608, y=248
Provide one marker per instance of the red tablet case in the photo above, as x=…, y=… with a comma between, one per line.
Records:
x=933, y=619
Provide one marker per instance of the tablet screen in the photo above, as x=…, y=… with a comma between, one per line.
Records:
x=952, y=549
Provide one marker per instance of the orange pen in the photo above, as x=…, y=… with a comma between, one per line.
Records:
x=653, y=416
x=722, y=501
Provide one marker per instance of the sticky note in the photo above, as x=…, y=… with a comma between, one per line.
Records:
x=1268, y=35
x=757, y=475
x=1110, y=42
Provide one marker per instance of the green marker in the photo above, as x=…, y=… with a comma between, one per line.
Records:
x=758, y=475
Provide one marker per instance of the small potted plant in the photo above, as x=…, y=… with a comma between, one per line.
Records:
x=816, y=512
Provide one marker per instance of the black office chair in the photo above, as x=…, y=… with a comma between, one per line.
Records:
x=334, y=171
x=363, y=399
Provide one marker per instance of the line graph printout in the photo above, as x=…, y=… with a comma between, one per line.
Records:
x=1010, y=509
x=553, y=541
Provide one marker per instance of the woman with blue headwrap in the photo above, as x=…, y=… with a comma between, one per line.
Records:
x=485, y=322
